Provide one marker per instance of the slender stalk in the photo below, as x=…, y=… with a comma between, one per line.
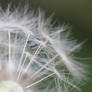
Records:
x=20, y=61
x=43, y=67
x=33, y=57
x=9, y=36
x=39, y=80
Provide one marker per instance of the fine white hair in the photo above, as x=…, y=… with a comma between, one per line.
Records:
x=36, y=54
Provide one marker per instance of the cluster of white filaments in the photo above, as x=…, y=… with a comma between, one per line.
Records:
x=34, y=55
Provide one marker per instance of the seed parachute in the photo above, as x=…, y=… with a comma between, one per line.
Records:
x=35, y=56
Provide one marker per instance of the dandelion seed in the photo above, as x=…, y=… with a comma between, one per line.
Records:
x=32, y=53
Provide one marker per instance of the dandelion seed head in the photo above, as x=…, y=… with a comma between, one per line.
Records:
x=33, y=52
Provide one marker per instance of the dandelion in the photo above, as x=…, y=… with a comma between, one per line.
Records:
x=35, y=56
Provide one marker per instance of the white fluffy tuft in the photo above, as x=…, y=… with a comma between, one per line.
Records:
x=38, y=53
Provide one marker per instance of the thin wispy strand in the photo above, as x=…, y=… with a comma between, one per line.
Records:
x=35, y=56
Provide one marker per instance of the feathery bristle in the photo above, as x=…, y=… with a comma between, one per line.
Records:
x=33, y=54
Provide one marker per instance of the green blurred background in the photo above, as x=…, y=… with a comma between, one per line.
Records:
x=77, y=13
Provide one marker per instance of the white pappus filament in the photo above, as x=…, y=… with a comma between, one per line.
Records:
x=34, y=55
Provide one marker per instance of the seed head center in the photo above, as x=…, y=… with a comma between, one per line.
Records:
x=10, y=86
